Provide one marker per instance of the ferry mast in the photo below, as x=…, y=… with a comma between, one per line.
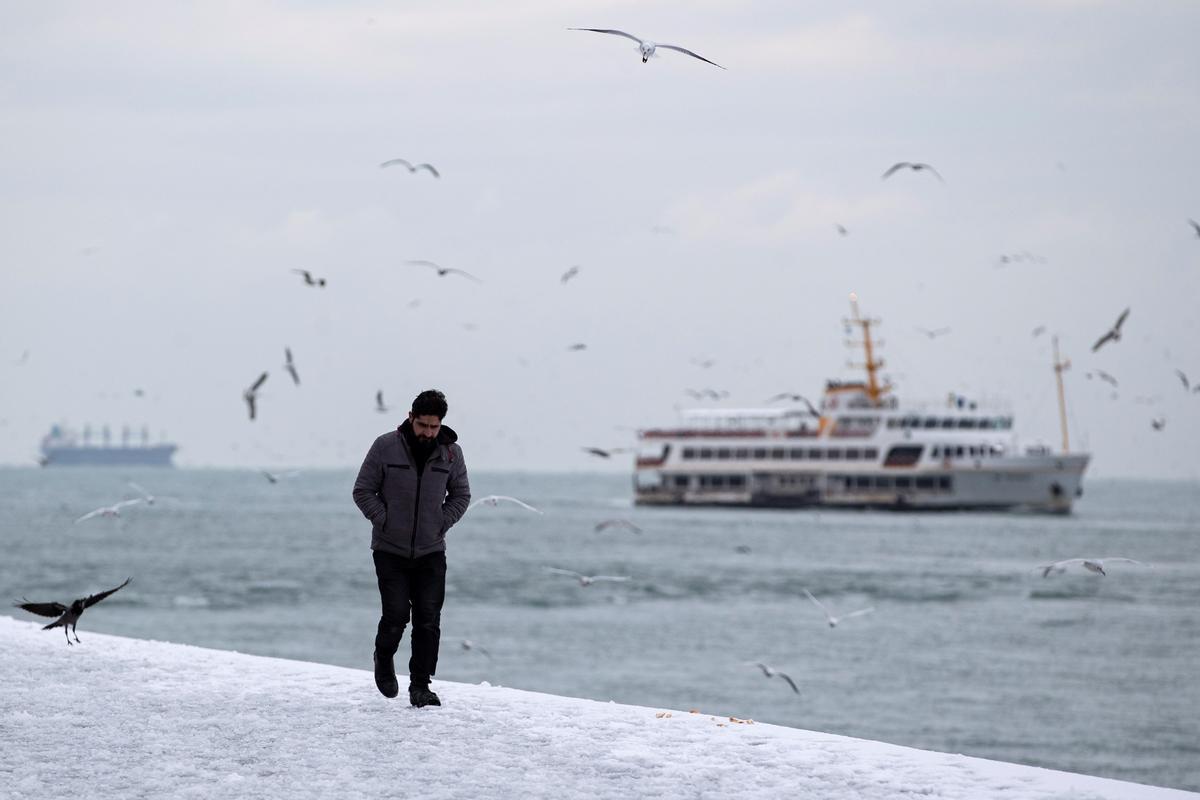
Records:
x=1060, y=367
x=874, y=391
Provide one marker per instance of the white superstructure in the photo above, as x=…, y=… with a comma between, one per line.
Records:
x=862, y=448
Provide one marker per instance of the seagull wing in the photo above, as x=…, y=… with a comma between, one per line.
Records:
x=291, y=368
x=1123, y=560
x=1195, y=225
x=254, y=387
x=679, y=49
x=394, y=161
x=1183, y=378
x=789, y=680
x=610, y=30
x=420, y=262
x=819, y=604
x=137, y=487
x=91, y=600
x=464, y=273
x=1121, y=320
x=596, y=451
x=270, y=476
x=123, y=503
x=43, y=609
x=897, y=166
x=91, y=514
x=515, y=500
x=1108, y=337
x=929, y=167
x=307, y=275
x=570, y=572
x=1058, y=565
x=432, y=171
x=859, y=613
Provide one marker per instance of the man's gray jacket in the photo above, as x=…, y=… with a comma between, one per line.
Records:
x=410, y=512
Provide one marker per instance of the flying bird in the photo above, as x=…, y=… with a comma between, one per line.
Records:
x=442, y=271
x=147, y=498
x=290, y=366
x=830, y=618
x=600, y=452
x=109, y=511
x=841, y=229
x=1159, y=423
x=1102, y=375
x=276, y=477
x=915, y=166
x=1114, y=333
x=1039, y=330
x=771, y=672
x=1195, y=226
x=936, y=332
x=309, y=279
x=411, y=167
x=795, y=398
x=251, y=394
x=495, y=499
x=1187, y=386
x=588, y=580
x=647, y=47
x=468, y=645
x=616, y=523
x=379, y=405
x=577, y=347
x=1095, y=565
x=68, y=616
x=571, y=273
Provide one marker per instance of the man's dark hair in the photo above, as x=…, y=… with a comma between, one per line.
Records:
x=430, y=401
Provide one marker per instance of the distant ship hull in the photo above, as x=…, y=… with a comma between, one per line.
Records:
x=150, y=456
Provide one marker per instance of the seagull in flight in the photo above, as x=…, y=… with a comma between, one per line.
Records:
x=915, y=166
x=251, y=394
x=1195, y=226
x=600, y=452
x=1104, y=376
x=1114, y=333
x=841, y=229
x=309, y=279
x=147, y=498
x=648, y=47
x=936, y=332
x=1159, y=423
x=411, y=167
x=467, y=644
x=795, y=398
x=577, y=347
x=1095, y=565
x=616, y=523
x=68, y=616
x=1187, y=386
x=1039, y=330
x=571, y=273
x=442, y=271
x=771, y=672
x=276, y=477
x=110, y=511
x=830, y=618
x=379, y=405
x=588, y=580
x=290, y=366
x=495, y=499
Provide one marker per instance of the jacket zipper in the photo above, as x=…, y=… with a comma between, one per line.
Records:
x=416, y=515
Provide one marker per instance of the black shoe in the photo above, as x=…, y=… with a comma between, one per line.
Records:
x=385, y=676
x=420, y=696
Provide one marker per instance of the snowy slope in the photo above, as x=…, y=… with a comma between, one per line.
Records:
x=116, y=717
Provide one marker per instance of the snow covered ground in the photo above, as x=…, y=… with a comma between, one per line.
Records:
x=117, y=717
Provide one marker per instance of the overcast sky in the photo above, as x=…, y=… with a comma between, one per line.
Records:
x=165, y=165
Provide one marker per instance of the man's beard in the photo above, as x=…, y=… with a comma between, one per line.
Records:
x=423, y=444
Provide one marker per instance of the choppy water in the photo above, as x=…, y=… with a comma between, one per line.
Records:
x=970, y=650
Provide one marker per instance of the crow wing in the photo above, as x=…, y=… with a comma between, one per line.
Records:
x=91, y=600
x=43, y=609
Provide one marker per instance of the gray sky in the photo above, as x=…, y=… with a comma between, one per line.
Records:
x=165, y=166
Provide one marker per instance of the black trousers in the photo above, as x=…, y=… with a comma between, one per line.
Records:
x=416, y=585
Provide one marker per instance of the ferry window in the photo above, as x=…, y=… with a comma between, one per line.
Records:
x=930, y=422
x=914, y=422
x=1005, y=423
x=903, y=456
x=925, y=483
x=947, y=423
x=706, y=452
x=891, y=423
x=778, y=453
x=737, y=480
x=723, y=453
x=973, y=452
x=936, y=451
x=883, y=482
x=966, y=422
x=796, y=453
x=681, y=481
x=851, y=454
x=959, y=452
x=944, y=483
x=834, y=453
x=986, y=423
x=862, y=482
x=760, y=452
x=718, y=481
x=871, y=453
x=903, y=482
x=689, y=453
x=741, y=452
x=816, y=455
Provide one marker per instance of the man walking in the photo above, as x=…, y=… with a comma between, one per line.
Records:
x=412, y=487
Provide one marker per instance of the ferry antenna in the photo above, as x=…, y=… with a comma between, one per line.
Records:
x=1061, y=366
x=872, y=364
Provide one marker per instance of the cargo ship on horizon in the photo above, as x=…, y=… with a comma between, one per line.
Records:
x=63, y=447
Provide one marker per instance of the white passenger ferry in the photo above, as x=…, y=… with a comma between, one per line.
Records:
x=861, y=449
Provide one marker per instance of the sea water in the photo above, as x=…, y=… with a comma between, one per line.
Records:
x=969, y=649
